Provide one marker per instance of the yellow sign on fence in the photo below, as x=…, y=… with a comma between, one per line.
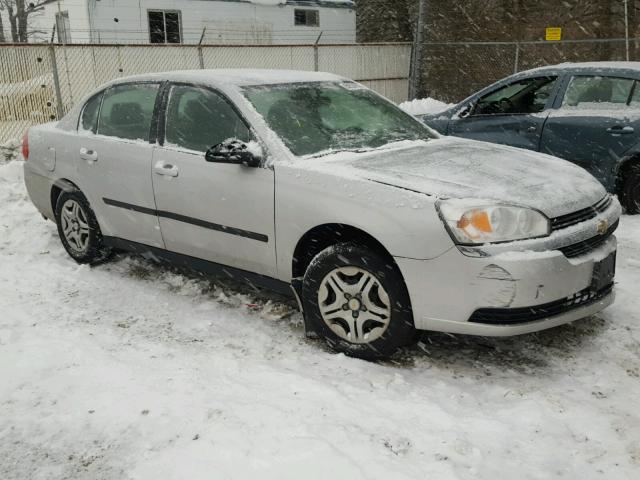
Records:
x=553, y=34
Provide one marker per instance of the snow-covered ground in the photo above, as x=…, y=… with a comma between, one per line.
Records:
x=424, y=106
x=133, y=371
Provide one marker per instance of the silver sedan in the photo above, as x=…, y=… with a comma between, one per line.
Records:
x=313, y=185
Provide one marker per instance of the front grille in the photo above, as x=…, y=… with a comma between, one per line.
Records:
x=512, y=316
x=586, y=246
x=580, y=216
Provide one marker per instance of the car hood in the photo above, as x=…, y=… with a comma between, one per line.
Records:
x=458, y=168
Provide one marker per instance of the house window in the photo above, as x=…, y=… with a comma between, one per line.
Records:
x=164, y=26
x=63, y=27
x=306, y=18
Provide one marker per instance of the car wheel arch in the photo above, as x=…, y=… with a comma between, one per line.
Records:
x=59, y=186
x=623, y=169
x=66, y=185
x=627, y=177
x=319, y=239
x=323, y=236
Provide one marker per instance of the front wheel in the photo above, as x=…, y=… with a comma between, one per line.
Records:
x=78, y=228
x=631, y=190
x=357, y=301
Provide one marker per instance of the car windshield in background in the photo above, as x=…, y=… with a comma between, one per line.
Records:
x=313, y=118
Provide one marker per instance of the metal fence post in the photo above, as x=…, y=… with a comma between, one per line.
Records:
x=200, y=56
x=56, y=82
x=316, y=53
x=418, y=52
x=516, y=65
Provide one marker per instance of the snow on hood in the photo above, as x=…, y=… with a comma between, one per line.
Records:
x=458, y=168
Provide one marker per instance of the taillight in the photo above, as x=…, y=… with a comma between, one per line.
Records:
x=25, y=145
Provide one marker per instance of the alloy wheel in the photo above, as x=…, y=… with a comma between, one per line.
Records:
x=354, y=304
x=75, y=226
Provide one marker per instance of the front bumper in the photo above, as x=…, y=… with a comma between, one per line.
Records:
x=446, y=291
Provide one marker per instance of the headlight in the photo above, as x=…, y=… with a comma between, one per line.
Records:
x=472, y=223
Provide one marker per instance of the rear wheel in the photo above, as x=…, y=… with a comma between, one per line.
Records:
x=631, y=190
x=78, y=229
x=357, y=301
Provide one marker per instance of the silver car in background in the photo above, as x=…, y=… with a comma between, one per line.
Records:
x=309, y=183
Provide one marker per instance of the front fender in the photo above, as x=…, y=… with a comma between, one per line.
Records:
x=404, y=222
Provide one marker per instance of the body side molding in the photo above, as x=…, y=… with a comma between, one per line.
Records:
x=193, y=221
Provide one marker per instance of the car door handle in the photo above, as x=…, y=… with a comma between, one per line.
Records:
x=88, y=155
x=620, y=130
x=166, y=169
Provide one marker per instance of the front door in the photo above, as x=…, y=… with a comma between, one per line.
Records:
x=114, y=161
x=513, y=114
x=218, y=212
x=598, y=121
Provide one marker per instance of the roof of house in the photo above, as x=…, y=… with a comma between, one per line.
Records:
x=301, y=3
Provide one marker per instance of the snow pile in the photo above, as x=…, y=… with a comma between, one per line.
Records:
x=130, y=370
x=424, y=106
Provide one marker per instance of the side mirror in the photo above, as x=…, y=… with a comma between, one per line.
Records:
x=466, y=111
x=235, y=152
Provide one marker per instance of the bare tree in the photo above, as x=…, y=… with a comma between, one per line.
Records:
x=18, y=13
x=3, y=39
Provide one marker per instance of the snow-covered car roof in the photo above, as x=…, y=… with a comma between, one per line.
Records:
x=223, y=79
x=235, y=77
x=588, y=66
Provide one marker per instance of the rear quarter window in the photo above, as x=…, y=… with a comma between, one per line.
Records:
x=88, y=123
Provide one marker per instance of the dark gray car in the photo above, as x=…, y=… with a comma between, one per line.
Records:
x=587, y=113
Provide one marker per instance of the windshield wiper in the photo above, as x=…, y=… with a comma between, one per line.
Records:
x=326, y=153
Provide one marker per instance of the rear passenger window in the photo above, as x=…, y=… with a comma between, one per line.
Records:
x=598, y=92
x=89, y=117
x=198, y=119
x=127, y=111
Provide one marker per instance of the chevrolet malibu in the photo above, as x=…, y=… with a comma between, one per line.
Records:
x=311, y=184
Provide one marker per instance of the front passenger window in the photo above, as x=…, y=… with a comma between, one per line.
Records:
x=198, y=119
x=523, y=97
x=127, y=111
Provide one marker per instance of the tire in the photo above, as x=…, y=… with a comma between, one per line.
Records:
x=357, y=301
x=631, y=190
x=79, y=230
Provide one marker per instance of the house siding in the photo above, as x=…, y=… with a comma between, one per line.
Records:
x=226, y=21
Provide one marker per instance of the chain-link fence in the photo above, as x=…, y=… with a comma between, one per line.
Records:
x=39, y=83
x=452, y=71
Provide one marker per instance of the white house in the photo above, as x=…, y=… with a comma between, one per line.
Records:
x=235, y=22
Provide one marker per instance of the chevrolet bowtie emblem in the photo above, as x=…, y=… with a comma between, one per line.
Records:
x=602, y=227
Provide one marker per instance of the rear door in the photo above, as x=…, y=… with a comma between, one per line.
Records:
x=218, y=212
x=597, y=122
x=114, y=161
x=512, y=114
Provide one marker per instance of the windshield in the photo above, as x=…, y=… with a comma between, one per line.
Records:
x=313, y=118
